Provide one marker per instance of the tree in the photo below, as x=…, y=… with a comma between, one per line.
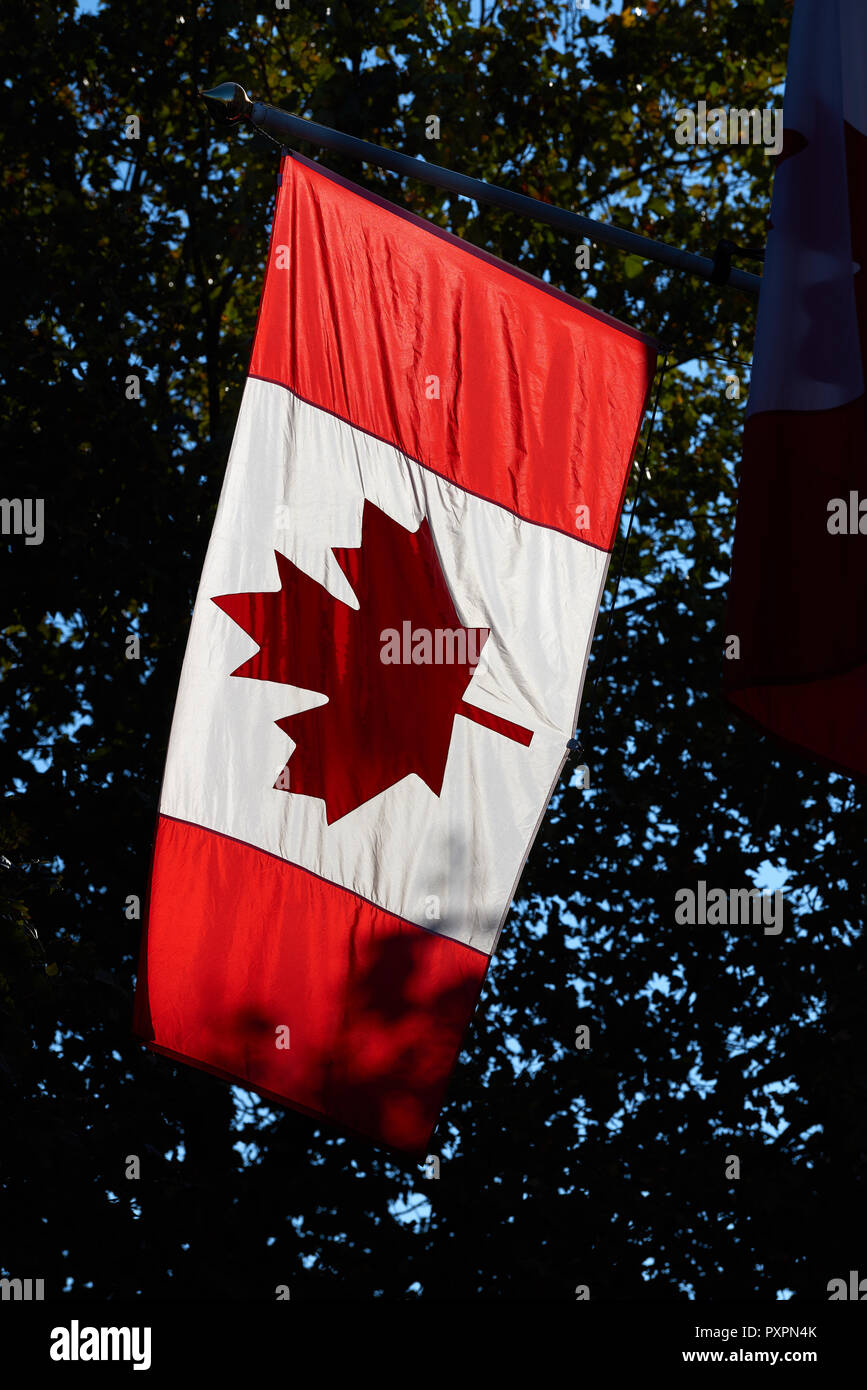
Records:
x=141, y=257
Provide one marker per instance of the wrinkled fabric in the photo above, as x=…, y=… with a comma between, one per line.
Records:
x=385, y=658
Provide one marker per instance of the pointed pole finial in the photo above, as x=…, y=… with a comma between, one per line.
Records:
x=228, y=103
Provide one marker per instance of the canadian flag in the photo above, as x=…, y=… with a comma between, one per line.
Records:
x=796, y=649
x=385, y=658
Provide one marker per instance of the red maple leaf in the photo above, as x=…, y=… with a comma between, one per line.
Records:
x=384, y=719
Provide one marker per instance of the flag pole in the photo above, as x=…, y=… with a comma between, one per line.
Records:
x=229, y=105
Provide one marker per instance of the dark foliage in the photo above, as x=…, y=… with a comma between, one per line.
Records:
x=560, y=1166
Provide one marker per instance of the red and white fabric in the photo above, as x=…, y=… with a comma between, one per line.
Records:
x=798, y=593
x=425, y=431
